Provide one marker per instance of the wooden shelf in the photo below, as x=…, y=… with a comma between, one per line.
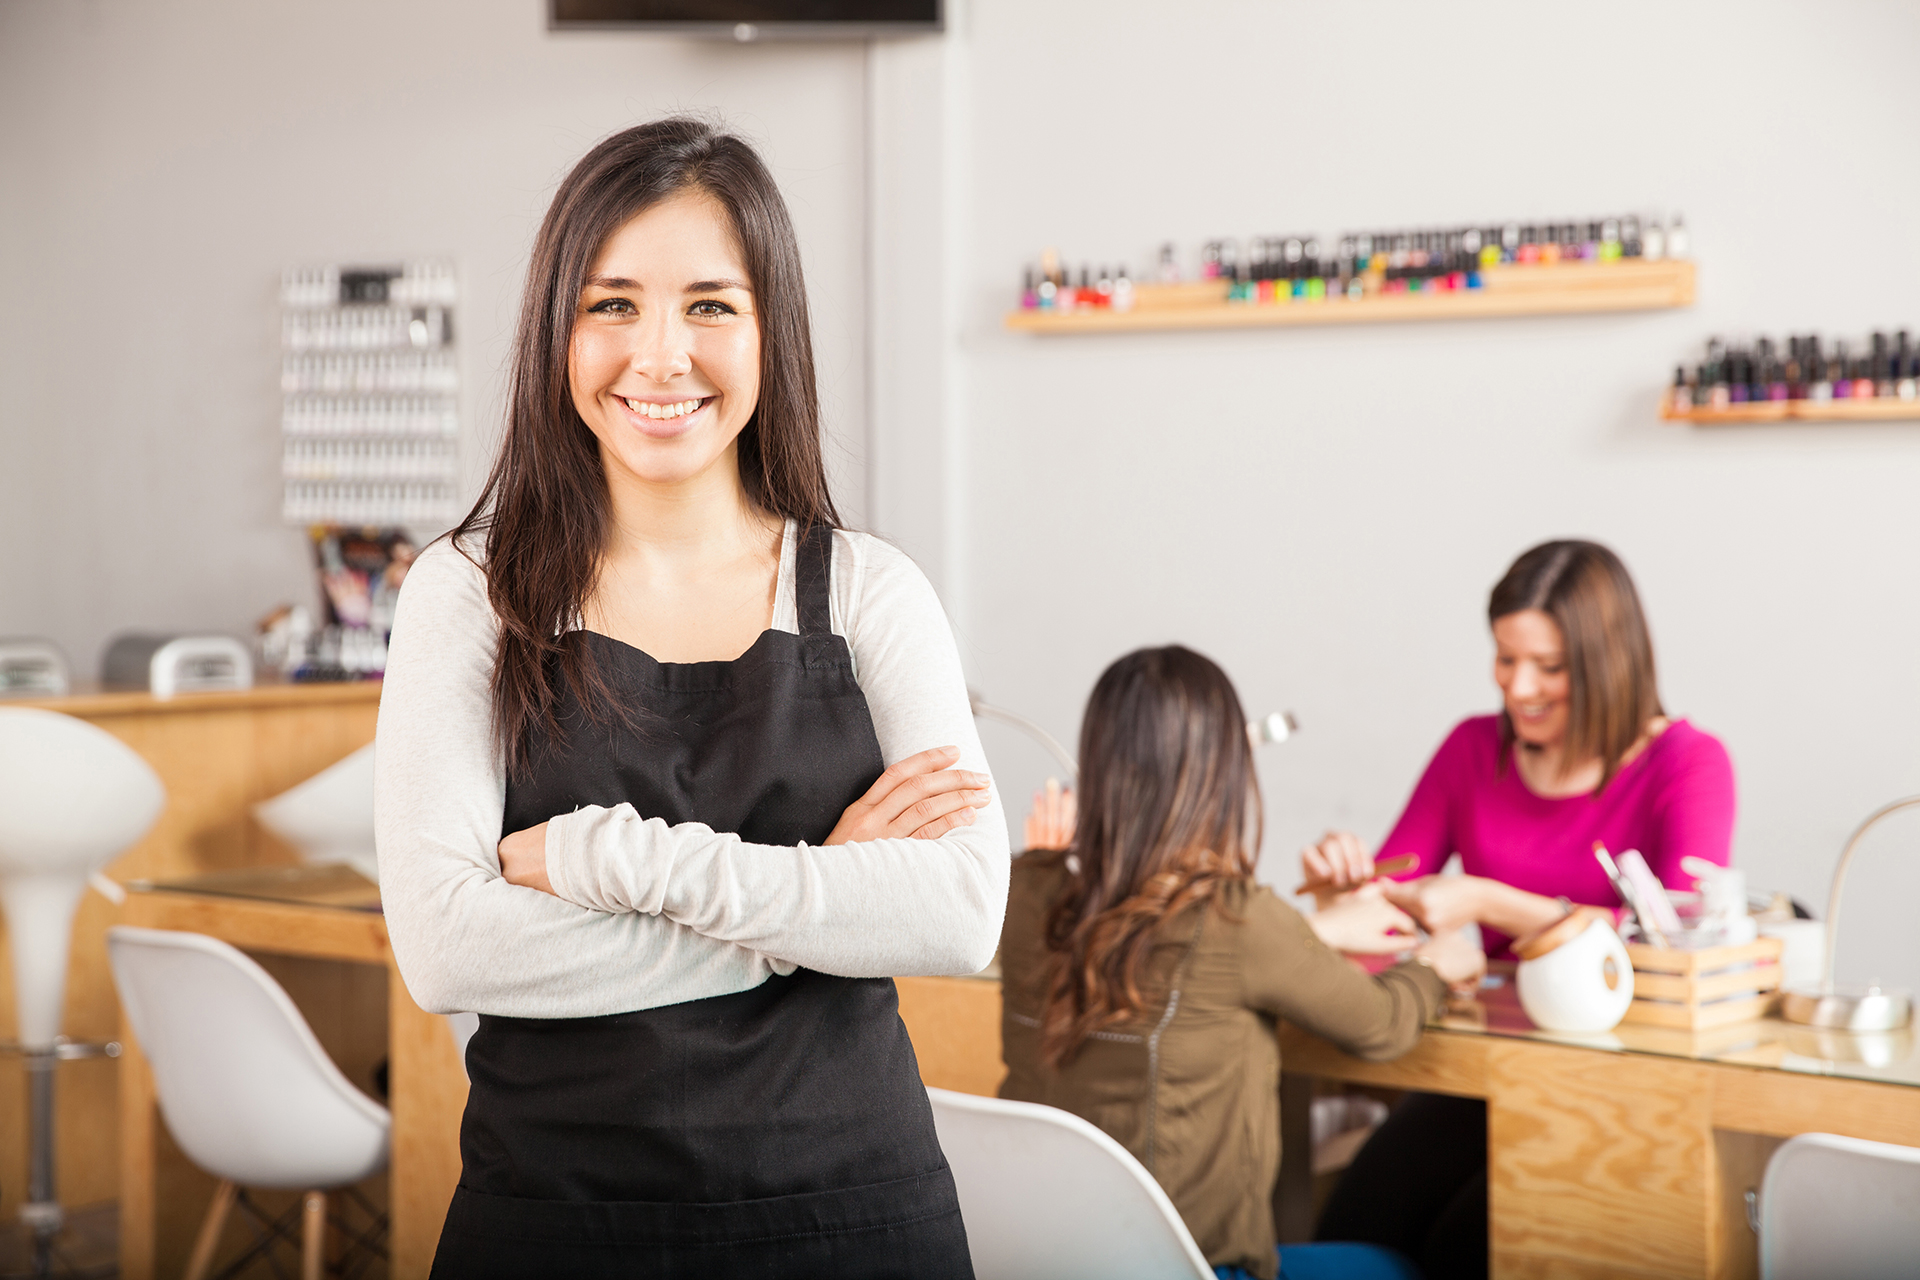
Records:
x=1563, y=289
x=1878, y=409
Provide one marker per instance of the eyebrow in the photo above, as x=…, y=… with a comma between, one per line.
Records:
x=698, y=286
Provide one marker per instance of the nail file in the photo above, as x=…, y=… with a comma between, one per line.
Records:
x=1628, y=898
x=1385, y=867
x=1647, y=887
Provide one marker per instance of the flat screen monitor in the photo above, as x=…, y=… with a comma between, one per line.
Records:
x=750, y=19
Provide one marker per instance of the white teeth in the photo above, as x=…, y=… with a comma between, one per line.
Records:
x=648, y=409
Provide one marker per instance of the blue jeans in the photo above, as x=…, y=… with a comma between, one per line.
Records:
x=1334, y=1262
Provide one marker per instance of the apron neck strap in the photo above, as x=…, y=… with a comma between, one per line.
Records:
x=812, y=572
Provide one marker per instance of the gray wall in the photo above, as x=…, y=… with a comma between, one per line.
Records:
x=1324, y=510
x=160, y=163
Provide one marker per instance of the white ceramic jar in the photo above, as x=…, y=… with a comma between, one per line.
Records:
x=1575, y=975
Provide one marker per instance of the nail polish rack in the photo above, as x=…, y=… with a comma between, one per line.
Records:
x=1611, y=264
x=1806, y=380
x=370, y=379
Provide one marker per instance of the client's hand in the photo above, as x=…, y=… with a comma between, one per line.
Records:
x=523, y=859
x=1336, y=864
x=1440, y=903
x=1363, y=922
x=919, y=797
x=1457, y=959
x=1050, y=821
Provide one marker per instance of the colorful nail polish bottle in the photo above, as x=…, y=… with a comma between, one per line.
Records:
x=1840, y=372
x=1610, y=249
x=1820, y=374
x=1029, y=291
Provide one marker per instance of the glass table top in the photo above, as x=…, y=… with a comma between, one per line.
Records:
x=1770, y=1043
x=335, y=885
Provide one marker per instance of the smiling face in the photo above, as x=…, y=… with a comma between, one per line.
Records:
x=665, y=359
x=1530, y=666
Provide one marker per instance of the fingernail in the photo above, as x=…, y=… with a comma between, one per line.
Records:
x=979, y=779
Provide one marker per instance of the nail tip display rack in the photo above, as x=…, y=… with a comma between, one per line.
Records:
x=1504, y=291
x=371, y=382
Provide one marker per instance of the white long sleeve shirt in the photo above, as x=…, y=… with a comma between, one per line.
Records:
x=647, y=914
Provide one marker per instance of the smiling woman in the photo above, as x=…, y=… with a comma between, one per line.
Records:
x=1581, y=751
x=674, y=774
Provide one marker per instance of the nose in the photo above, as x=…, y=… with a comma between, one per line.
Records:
x=660, y=347
x=1526, y=682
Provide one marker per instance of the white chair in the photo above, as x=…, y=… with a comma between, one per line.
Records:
x=329, y=817
x=1834, y=1208
x=246, y=1090
x=72, y=798
x=1047, y=1196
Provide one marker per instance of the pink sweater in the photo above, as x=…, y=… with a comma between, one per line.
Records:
x=1674, y=800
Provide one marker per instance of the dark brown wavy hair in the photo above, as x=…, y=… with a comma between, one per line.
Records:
x=1613, y=694
x=545, y=512
x=1169, y=809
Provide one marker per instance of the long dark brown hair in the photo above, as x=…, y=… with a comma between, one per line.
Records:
x=1169, y=809
x=1613, y=694
x=545, y=510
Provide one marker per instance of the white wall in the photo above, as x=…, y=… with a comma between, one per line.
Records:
x=1324, y=510
x=160, y=162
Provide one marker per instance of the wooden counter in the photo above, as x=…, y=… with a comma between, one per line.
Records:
x=217, y=754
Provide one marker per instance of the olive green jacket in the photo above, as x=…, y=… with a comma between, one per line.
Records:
x=1192, y=1087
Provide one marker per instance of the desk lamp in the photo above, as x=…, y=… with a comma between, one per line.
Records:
x=1869, y=1008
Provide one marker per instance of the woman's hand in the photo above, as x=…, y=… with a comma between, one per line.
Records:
x=1050, y=821
x=919, y=797
x=1442, y=904
x=1338, y=863
x=1457, y=959
x=1363, y=922
x=523, y=859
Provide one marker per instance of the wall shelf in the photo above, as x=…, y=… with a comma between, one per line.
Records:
x=1877, y=409
x=1562, y=289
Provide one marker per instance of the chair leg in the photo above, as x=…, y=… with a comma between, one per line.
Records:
x=210, y=1228
x=313, y=1237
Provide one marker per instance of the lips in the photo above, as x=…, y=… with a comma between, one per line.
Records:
x=664, y=419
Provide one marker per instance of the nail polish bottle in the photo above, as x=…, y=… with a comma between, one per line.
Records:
x=1863, y=388
x=1210, y=260
x=1840, y=372
x=1721, y=394
x=1610, y=240
x=1774, y=374
x=1103, y=290
x=1679, y=398
x=1169, y=268
x=1590, y=240
x=1122, y=291
x=1316, y=271
x=1029, y=291
x=1653, y=241
x=1510, y=242
x=1550, y=248
x=1908, y=387
x=1820, y=372
x=1679, y=244
x=1882, y=373
x=1737, y=377
x=1631, y=246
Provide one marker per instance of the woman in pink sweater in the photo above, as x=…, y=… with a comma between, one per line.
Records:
x=1581, y=751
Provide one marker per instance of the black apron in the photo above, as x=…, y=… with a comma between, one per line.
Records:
x=778, y=1132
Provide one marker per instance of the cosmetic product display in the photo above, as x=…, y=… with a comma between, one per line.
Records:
x=1802, y=378
x=370, y=380
x=1606, y=264
x=360, y=572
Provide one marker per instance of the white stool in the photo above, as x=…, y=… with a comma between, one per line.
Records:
x=246, y=1090
x=1047, y=1196
x=72, y=798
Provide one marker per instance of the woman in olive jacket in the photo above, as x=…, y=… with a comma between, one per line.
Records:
x=1144, y=970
